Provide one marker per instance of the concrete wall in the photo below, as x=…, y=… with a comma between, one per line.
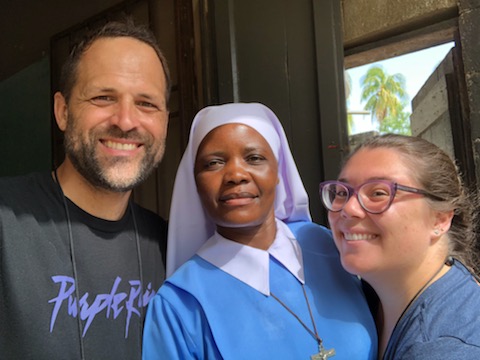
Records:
x=430, y=118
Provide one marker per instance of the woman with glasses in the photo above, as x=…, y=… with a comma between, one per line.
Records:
x=253, y=277
x=403, y=222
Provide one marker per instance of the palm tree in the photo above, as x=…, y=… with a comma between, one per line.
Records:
x=385, y=94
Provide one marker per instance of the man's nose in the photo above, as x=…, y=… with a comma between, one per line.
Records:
x=125, y=116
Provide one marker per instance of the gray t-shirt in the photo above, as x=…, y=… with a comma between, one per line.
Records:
x=38, y=288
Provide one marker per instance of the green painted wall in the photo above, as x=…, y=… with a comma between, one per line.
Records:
x=25, y=120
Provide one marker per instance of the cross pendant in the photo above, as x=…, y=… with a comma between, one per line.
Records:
x=323, y=354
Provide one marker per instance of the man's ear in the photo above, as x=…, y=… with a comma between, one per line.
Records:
x=60, y=109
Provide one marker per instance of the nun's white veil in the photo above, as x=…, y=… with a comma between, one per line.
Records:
x=189, y=225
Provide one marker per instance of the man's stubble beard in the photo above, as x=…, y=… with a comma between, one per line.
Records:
x=106, y=173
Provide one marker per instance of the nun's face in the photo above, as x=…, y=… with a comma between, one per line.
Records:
x=236, y=174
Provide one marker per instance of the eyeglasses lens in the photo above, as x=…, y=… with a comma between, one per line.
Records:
x=335, y=196
x=374, y=197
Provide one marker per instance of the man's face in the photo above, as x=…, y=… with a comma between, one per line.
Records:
x=116, y=120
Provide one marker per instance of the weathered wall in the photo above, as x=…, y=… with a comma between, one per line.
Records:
x=370, y=20
x=430, y=117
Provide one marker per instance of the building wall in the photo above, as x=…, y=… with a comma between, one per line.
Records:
x=430, y=117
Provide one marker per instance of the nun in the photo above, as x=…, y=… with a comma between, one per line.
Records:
x=249, y=275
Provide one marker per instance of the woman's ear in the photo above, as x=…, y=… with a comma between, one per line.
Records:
x=60, y=109
x=443, y=221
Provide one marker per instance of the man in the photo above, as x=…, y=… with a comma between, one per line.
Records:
x=78, y=260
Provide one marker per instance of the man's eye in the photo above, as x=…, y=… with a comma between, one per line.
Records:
x=147, y=105
x=101, y=100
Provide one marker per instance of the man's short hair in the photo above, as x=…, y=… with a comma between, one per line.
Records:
x=112, y=29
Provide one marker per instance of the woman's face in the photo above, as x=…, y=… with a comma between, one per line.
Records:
x=398, y=239
x=236, y=174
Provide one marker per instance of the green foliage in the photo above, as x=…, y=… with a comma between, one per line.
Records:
x=349, y=123
x=384, y=94
x=399, y=124
x=386, y=98
x=348, y=85
x=348, y=92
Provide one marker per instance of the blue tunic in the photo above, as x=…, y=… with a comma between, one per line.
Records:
x=443, y=323
x=202, y=312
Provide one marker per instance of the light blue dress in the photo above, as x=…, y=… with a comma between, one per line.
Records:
x=202, y=312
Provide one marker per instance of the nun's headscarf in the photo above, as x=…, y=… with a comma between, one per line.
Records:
x=189, y=225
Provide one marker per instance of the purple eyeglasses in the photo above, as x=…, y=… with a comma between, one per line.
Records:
x=375, y=196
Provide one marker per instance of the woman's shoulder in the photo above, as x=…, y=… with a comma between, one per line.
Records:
x=459, y=286
x=446, y=312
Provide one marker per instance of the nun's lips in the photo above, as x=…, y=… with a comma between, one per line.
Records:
x=238, y=198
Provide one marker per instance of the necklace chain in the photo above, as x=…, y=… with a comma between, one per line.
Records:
x=322, y=353
x=314, y=334
x=421, y=290
x=448, y=262
x=74, y=266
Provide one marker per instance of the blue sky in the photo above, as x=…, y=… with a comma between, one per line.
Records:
x=416, y=67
